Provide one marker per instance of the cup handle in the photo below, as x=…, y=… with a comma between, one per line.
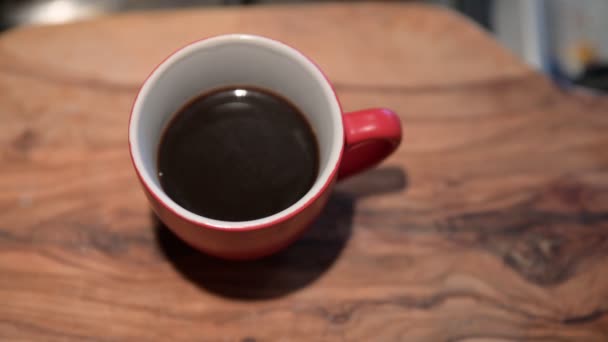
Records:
x=370, y=136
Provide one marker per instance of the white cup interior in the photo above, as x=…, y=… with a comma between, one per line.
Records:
x=225, y=61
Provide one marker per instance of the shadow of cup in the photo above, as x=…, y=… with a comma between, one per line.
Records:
x=294, y=267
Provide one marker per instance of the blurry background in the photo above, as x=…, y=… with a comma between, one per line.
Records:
x=563, y=38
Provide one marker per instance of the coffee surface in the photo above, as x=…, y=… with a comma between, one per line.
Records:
x=237, y=154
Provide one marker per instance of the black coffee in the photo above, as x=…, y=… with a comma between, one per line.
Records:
x=237, y=154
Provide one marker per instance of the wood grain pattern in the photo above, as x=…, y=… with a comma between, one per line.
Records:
x=490, y=223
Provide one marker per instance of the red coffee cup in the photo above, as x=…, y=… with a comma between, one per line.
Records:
x=348, y=142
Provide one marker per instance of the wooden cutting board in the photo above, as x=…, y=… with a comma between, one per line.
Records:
x=489, y=223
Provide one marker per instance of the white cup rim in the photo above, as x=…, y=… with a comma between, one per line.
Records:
x=324, y=180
